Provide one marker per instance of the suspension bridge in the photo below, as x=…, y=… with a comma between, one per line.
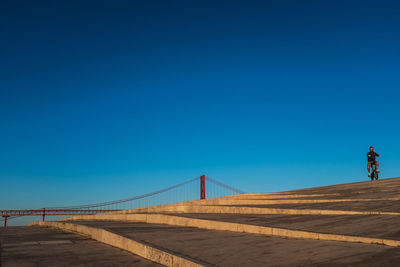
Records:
x=347, y=224
x=192, y=189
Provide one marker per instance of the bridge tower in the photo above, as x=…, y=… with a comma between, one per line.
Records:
x=203, y=187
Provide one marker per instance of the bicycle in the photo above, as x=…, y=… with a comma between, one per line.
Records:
x=374, y=173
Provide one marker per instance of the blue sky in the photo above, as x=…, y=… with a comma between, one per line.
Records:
x=102, y=100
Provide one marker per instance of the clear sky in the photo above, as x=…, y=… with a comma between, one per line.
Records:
x=102, y=100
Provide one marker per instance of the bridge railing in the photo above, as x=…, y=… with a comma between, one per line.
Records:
x=197, y=188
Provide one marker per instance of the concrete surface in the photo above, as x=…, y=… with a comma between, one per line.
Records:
x=137, y=247
x=355, y=225
x=266, y=229
x=38, y=246
x=254, y=209
x=234, y=227
x=223, y=248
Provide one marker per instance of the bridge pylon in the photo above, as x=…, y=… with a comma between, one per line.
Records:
x=203, y=187
x=5, y=220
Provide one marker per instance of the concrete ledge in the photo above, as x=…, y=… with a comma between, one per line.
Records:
x=250, y=196
x=249, y=210
x=233, y=201
x=271, y=200
x=234, y=227
x=275, y=196
x=139, y=248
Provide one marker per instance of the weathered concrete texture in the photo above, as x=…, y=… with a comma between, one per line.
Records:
x=286, y=201
x=38, y=246
x=252, y=229
x=327, y=227
x=377, y=206
x=139, y=248
x=385, y=188
x=234, y=227
x=275, y=196
x=386, y=227
x=367, y=197
x=223, y=248
x=250, y=210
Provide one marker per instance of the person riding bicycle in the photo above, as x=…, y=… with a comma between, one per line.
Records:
x=371, y=160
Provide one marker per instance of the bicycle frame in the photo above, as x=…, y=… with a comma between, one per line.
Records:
x=374, y=174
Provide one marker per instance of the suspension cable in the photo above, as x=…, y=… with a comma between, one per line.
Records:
x=225, y=186
x=127, y=199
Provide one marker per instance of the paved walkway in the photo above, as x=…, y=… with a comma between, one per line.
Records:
x=223, y=248
x=37, y=246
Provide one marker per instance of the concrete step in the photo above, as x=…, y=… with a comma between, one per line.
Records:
x=234, y=227
x=224, y=248
x=23, y=246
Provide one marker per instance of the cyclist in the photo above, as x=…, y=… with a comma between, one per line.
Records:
x=371, y=160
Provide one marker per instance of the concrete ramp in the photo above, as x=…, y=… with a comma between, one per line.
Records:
x=351, y=224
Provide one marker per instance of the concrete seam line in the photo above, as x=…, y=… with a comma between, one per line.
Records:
x=237, y=227
x=255, y=210
x=142, y=249
x=264, y=195
x=275, y=195
x=192, y=208
x=274, y=231
x=284, y=201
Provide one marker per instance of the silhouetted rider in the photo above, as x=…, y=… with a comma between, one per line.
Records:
x=371, y=160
